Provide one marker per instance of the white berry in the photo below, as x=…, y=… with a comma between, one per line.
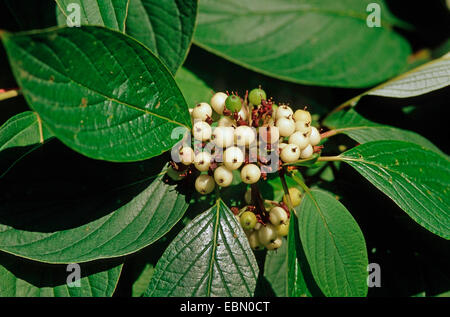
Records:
x=267, y=234
x=225, y=122
x=300, y=139
x=303, y=127
x=223, y=176
x=250, y=173
x=269, y=134
x=244, y=135
x=223, y=136
x=307, y=152
x=202, y=161
x=277, y=216
x=275, y=244
x=202, y=111
x=201, y=131
x=187, y=155
x=284, y=112
x=204, y=184
x=253, y=241
x=218, y=102
x=285, y=126
x=302, y=115
x=233, y=158
x=315, y=136
x=290, y=153
x=248, y=196
x=243, y=113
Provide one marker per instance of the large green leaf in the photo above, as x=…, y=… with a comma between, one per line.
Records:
x=283, y=268
x=22, y=130
x=165, y=27
x=416, y=179
x=109, y=13
x=81, y=218
x=194, y=89
x=23, y=278
x=209, y=257
x=334, y=245
x=421, y=80
x=98, y=91
x=362, y=130
x=311, y=42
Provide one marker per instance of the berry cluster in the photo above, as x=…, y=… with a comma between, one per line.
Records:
x=265, y=228
x=251, y=135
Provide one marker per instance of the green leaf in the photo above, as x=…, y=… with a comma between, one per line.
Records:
x=283, y=268
x=209, y=257
x=24, y=278
x=362, y=130
x=22, y=130
x=194, y=89
x=415, y=178
x=68, y=230
x=321, y=43
x=100, y=92
x=140, y=285
x=431, y=76
x=109, y=13
x=334, y=245
x=165, y=27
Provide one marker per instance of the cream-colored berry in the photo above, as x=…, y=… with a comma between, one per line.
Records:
x=278, y=215
x=253, y=241
x=204, y=184
x=300, y=139
x=267, y=234
x=225, y=122
x=244, y=135
x=218, y=102
x=233, y=158
x=223, y=176
x=307, y=152
x=187, y=155
x=302, y=115
x=201, y=131
x=202, y=161
x=250, y=173
x=269, y=134
x=290, y=153
x=303, y=127
x=243, y=113
x=282, y=145
x=284, y=112
x=285, y=126
x=223, y=136
x=315, y=136
x=295, y=195
x=202, y=111
x=282, y=229
x=275, y=244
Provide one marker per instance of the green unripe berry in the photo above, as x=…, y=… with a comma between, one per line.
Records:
x=248, y=220
x=256, y=95
x=233, y=103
